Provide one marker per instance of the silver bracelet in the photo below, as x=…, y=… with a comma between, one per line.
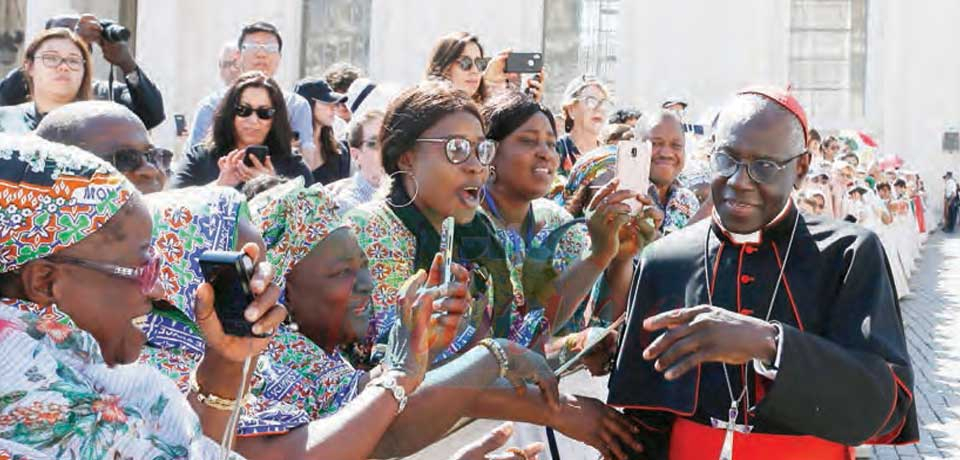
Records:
x=389, y=383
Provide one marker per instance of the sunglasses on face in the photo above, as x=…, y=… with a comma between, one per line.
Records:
x=761, y=171
x=458, y=149
x=271, y=48
x=53, y=60
x=466, y=63
x=594, y=103
x=145, y=275
x=263, y=113
x=130, y=160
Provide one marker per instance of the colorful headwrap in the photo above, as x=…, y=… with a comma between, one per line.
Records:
x=295, y=380
x=52, y=197
x=186, y=223
x=293, y=220
x=589, y=167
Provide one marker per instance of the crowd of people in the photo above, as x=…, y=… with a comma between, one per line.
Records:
x=367, y=342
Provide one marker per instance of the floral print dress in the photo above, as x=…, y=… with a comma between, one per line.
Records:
x=391, y=249
x=58, y=397
x=295, y=381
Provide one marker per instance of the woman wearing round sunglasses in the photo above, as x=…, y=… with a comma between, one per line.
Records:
x=251, y=113
x=458, y=58
x=435, y=153
x=58, y=70
x=586, y=103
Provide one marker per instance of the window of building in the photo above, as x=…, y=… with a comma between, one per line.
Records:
x=335, y=31
x=828, y=49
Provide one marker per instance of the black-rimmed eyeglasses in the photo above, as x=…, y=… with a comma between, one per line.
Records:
x=761, y=171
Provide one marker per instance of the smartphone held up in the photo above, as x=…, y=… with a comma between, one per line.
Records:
x=633, y=168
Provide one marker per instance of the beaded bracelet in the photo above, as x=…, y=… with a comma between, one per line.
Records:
x=499, y=354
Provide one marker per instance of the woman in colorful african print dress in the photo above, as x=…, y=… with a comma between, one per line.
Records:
x=557, y=270
x=327, y=284
x=433, y=147
x=76, y=278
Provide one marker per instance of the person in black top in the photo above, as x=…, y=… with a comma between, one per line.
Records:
x=134, y=90
x=252, y=112
x=333, y=156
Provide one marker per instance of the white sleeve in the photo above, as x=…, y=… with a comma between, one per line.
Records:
x=770, y=372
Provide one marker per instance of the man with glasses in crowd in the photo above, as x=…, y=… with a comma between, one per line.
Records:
x=261, y=48
x=135, y=91
x=229, y=63
x=759, y=333
x=114, y=134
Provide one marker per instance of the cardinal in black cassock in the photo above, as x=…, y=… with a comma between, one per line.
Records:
x=760, y=334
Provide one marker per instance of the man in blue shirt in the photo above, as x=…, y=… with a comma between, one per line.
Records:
x=260, y=49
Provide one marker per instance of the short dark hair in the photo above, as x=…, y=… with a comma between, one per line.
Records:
x=814, y=135
x=614, y=133
x=356, y=134
x=223, y=137
x=506, y=112
x=621, y=116
x=415, y=111
x=259, y=26
x=340, y=76
x=446, y=52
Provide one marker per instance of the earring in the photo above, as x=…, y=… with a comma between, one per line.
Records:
x=568, y=123
x=416, y=190
x=493, y=174
x=290, y=321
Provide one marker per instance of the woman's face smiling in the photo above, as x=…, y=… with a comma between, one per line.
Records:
x=527, y=159
x=328, y=292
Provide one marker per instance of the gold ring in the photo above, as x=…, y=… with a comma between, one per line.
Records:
x=518, y=452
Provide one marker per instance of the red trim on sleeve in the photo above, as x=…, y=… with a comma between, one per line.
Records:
x=888, y=438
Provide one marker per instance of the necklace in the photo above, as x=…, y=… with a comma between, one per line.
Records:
x=726, y=452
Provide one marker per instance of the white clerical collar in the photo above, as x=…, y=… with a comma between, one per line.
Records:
x=754, y=237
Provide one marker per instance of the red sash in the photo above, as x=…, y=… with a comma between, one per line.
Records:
x=693, y=441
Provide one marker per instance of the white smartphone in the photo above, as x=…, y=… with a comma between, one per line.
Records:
x=446, y=248
x=633, y=168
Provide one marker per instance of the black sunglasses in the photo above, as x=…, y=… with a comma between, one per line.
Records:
x=263, y=113
x=466, y=63
x=129, y=160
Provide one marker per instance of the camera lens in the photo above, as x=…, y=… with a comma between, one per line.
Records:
x=113, y=32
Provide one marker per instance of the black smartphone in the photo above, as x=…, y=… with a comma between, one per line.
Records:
x=524, y=63
x=229, y=273
x=181, y=124
x=260, y=151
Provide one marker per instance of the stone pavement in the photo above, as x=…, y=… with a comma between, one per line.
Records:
x=931, y=315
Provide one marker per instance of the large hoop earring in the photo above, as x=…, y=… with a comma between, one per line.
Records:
x=416, y=190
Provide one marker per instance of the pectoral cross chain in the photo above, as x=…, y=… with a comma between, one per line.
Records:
x=726, y=452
